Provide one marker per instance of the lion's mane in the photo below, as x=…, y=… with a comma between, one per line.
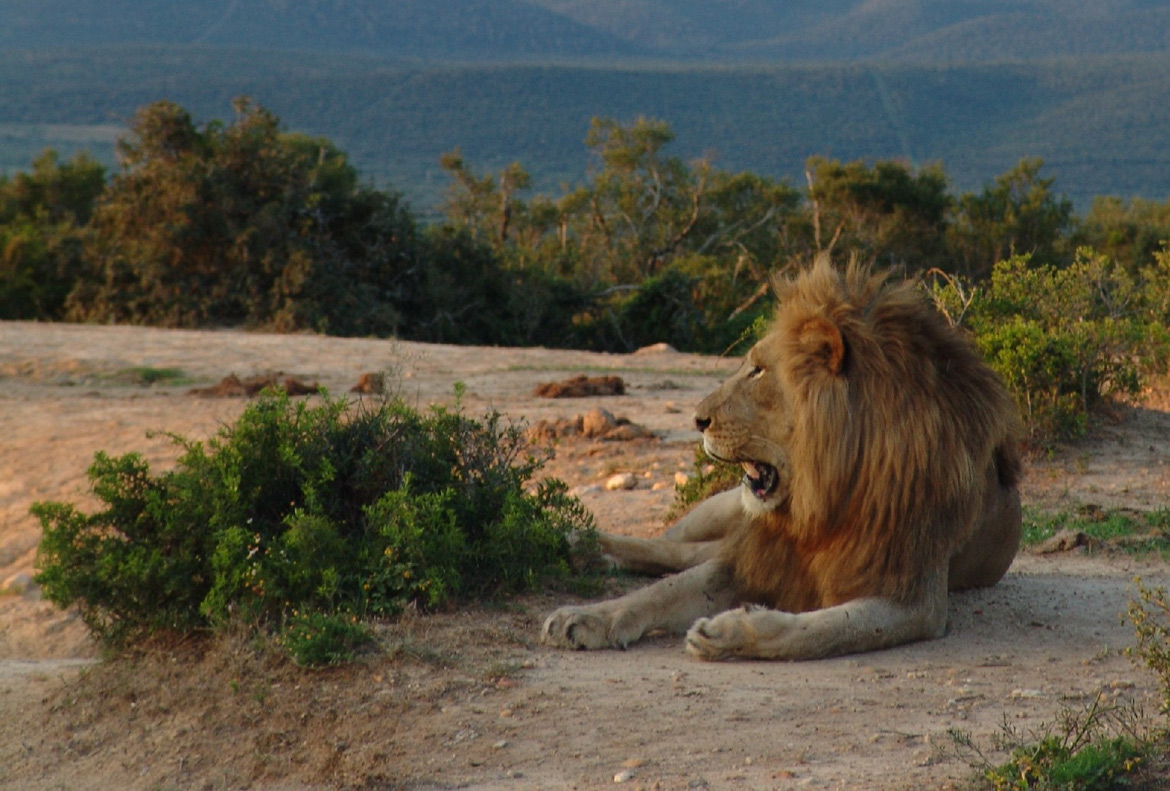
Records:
x=888, y=458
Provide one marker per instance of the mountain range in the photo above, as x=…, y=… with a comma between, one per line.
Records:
x=762, y=85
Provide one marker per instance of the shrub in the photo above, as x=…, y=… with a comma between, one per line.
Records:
x=1064, y=340
x=1099, y=747
x=1150, y=616
x=314, y=507
x=314, y=639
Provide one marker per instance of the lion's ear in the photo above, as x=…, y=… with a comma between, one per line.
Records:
x=820, y=338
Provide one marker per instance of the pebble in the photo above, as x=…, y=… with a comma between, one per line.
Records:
x=623, y=480
x=680, y=478
x=501, y=744
x=624, y=776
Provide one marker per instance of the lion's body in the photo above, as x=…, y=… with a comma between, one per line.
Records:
x=881, y=465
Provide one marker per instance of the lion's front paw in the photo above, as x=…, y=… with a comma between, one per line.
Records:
x=578, y=627
x=725, y=635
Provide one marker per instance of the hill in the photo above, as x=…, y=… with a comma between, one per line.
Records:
x=977, y=84
x=694, y=30
x=1098, y=122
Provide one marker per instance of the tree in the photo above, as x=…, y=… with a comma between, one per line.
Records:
x=887, y=212
x=1017, y=215
x=1131, y=232
x=641, y=226
x=42, y=218
x=243, y=224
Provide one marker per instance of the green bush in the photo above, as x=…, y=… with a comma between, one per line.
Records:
x=313, y=507
x=1098, y=747
x=1065, y=340
x=1150, y=615
x=315, y=639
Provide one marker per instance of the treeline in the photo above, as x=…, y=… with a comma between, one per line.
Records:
x=244, y=224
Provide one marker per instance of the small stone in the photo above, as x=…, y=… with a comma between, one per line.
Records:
x=624, y=776
x=501, y=744
x=680, y=478
x=659, y=486
x=623, y=480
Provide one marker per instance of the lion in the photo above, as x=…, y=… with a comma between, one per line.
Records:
x=881, y=465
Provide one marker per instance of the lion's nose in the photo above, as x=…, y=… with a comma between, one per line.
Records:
x=702, y=423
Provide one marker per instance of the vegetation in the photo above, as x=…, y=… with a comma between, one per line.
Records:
x=1098, y=748
x=1101, y=746
x=303, y=517
x=1065, y=339
x=244, y=224
x=1134, y=531
x=43, y=216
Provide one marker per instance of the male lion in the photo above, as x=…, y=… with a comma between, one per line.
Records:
x=880, y=470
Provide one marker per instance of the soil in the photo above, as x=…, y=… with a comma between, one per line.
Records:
x=470, y=699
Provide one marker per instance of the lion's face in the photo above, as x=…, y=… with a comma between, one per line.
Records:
x=748, y=421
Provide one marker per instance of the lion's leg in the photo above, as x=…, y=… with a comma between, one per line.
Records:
x=694, y=539
x=856, y=626
x=654, y=555
x=711, y=519
x=672, y=604
x=993, y=545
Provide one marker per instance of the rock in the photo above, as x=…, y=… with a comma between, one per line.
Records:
x=1064, y=541
x=594, y=424
x=232, y=386
x=626, y=431
x=624, y=776
x=370, y=384
x=657, y=348
x=681, y=478
x=597, y=423
x=582, y=386
x=623, y=480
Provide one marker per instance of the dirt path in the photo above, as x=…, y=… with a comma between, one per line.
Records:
x=502, y=711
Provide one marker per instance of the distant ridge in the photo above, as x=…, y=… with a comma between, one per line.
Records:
x=975, y=84
x=690, y=30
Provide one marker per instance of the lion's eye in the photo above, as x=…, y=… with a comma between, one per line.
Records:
x=755, y=372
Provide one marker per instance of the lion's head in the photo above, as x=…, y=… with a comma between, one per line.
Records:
x=861, y=405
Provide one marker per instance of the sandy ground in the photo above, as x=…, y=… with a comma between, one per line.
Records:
x=471, y=700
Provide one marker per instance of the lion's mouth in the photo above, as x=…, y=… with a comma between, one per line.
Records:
x=760, y=478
